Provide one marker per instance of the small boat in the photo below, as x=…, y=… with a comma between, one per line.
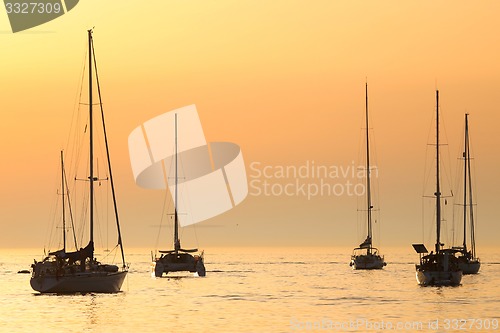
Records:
x=178, y=259
x=79, y=271
x=467, y=260
x=366, y=256
x=438, y=268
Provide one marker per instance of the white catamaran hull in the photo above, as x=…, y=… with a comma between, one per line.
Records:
x=439, y=278
x=86, y=282
x=178, y=263
x=367, y=262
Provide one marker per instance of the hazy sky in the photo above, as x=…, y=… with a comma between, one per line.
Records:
x=284, y=80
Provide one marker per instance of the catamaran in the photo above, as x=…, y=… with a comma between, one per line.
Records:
x=178, y=259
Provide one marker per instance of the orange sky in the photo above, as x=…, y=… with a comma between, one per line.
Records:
x=284, y=80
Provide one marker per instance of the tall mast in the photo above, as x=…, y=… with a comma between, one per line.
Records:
x=91, y=155
x=368, y=185
x=438, y=190
x=466, y=148
x=63, y=208
x=472, y=233
x=177, y=243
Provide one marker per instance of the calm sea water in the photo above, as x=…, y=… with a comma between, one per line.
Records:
x=259, y=290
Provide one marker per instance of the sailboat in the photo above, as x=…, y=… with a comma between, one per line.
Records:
x=467, y=261
x=366, y=256
x=441, y=267
x=79, y=271
x=178, y=259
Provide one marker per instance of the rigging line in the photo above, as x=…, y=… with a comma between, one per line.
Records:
x=98, y=220
x=430, y=138
x=447, y=175
x=422, y=214
x=78, y=140
x=70, y=209
x=76, y=149
x=377, y=216
x=445, y=168
x=98, y=215
x=77, y=154
x=427, y=172
x=459, y=191
x=375, y=185
x=107, y=218
x=98, y=145
x=104, y=256
x=432, y=220
x=162, y=216
x=182, y=198
x=164, y=209
x=120, y=241
x=171, y=202
x=53, y=224
x=361, y=199
x=428, y=214
x=474, y=186
x=456, y=207
x=83, y=213
x=51, y=220
x=187, y=200
x=78, y=98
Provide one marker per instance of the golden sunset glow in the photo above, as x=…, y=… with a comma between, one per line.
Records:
x=283, y=79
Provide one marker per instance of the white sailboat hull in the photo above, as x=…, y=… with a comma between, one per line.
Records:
x=438, y=278
x=85, y=282
x=367, y=261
